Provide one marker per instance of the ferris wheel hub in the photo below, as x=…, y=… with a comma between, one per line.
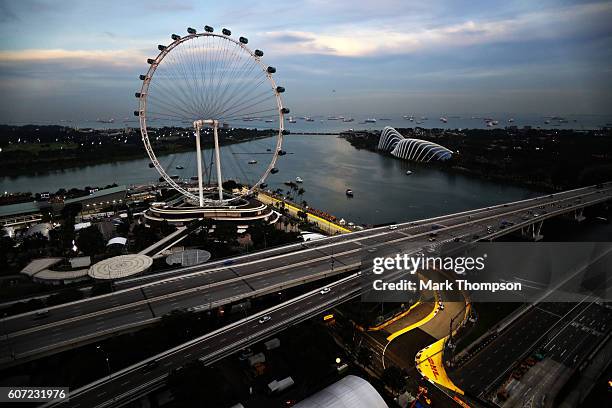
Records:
x=199, y=124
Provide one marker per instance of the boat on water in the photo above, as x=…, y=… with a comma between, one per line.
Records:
x=291, y=120
x=370, y=120
x=309, y=119
x=269, y=120
x=349, y=192
x=252, y=161
x=408, y=172
x=274, y=170
x=298, y=179
x=348, y=120
x=443, y=119
x=179, y=167
x=151, y=165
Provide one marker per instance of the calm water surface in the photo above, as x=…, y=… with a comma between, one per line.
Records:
x=328, y=165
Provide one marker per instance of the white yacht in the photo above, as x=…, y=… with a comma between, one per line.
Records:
x=299, y=180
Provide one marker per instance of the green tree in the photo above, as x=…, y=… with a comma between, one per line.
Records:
x=91, y=241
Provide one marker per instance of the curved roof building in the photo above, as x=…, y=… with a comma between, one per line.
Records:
x=351, y=391
x=411, y=149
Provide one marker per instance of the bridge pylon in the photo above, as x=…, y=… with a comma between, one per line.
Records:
x=533, y=231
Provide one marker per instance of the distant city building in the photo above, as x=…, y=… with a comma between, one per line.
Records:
x=411, y=149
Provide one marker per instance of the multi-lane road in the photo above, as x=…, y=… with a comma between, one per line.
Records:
x=33, y=334
x=564, y=332
x=30, y=334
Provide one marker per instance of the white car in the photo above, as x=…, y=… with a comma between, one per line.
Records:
x=392, y=227
x=325, y=291
x=264, y=319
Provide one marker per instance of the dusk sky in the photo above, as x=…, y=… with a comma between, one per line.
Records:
x=80, y=60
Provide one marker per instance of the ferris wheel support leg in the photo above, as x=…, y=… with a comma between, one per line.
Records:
x=199, y=159
x=218, y=159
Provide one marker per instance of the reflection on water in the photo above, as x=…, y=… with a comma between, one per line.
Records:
x=328, y=165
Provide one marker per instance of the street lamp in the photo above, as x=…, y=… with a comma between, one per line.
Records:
x=98, y=347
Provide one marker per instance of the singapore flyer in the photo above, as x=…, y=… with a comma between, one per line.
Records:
x=205, y=92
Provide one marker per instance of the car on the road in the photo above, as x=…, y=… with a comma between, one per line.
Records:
x=264, y=319
x=228, y=262
x=151, y=365
x=392, y=227
x=325, y=291
x=41, y=314
x=432, y=239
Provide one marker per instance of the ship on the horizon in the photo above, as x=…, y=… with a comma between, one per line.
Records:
x=443, y=119
x=291, y=120
x=370, y=120
x=111, y=120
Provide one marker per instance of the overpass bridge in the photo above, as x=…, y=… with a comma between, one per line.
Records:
x=26, y=336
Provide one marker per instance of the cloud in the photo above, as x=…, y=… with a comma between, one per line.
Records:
x=398, y=38
x=80, y=57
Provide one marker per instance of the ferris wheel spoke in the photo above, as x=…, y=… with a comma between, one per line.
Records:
x=233, y=84
x=171, y=108
x=172, y=99
x=168, y=115
x=249, y=104
x=239, y=106
x=238, y=62
x=195, y=70
x=214, y=74
x=237, y=97
x=253, y=113
x=177, y=72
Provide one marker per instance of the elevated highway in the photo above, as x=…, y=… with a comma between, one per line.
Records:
x=33, y=334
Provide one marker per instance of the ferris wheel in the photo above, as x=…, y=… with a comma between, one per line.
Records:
x=210, y=87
